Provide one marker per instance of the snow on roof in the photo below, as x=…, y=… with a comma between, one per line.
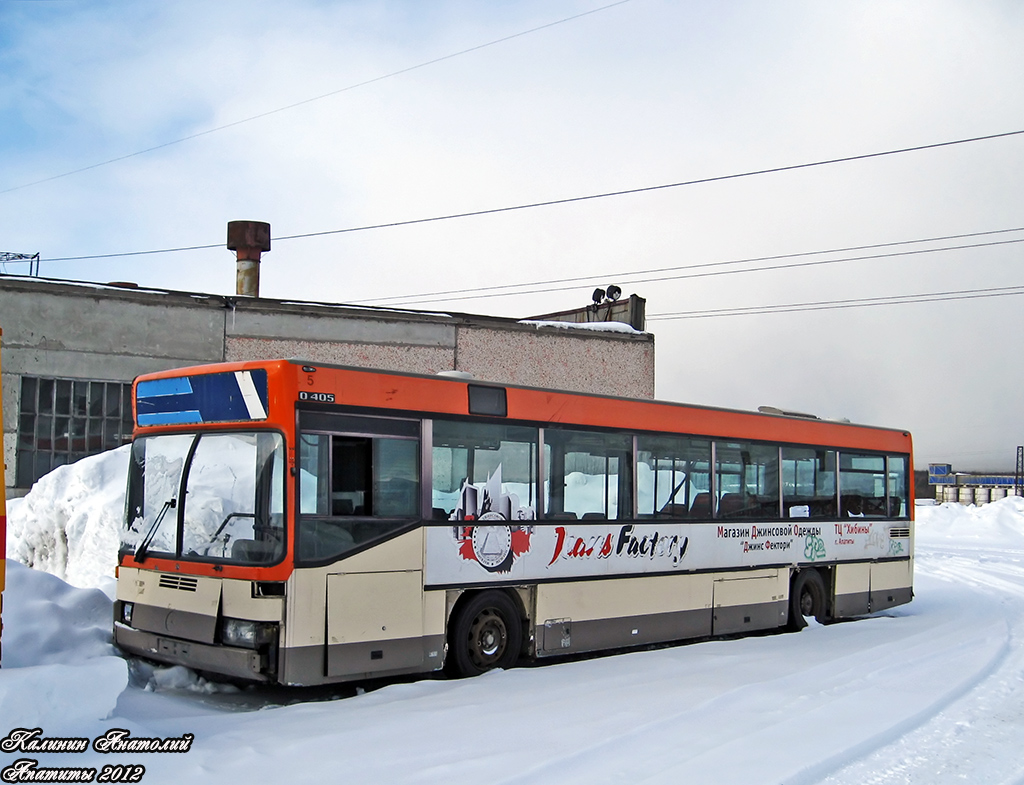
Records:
x=604, y=327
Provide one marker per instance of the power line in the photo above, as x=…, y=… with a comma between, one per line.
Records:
x=833, y=305
x=715, y=273
x=664, y=186
x=627, y=273
x=573, y=199
x=134, y=253
x=305, y=101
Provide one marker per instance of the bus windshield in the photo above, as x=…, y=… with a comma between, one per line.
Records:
x=209, y=496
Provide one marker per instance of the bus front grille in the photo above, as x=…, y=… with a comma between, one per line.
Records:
x=180, y=582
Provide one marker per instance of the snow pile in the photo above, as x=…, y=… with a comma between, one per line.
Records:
x=992, y=525
x=927, y=692
x=59, y=666
x=68, y=525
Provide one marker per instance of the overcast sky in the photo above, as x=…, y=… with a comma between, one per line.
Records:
x=642, y=93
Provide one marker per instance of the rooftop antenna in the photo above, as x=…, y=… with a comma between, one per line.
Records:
x=32, y=259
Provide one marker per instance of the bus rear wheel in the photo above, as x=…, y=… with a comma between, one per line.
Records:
x=484, y=634
x=806, y=598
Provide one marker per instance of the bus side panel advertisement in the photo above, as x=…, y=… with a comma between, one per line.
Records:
x=493, y=552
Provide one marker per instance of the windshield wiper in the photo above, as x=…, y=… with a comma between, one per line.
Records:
x=140, y=552
x=227, y=537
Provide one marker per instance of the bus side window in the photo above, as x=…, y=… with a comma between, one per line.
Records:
x=358, y=476
x=897, y=486
x=672, y=474
x=862, y=486
x=395, y=488
x=351, y=469
x=483, y=469
x=314, y=482
x=809, y=482
x=747, y=480
x=354, y=488
x=589, y=474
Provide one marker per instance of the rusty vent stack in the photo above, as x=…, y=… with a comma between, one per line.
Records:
x=248, y=239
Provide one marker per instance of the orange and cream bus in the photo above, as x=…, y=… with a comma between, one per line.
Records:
x=298, y=523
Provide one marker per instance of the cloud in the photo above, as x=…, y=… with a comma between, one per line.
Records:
x=643, y=93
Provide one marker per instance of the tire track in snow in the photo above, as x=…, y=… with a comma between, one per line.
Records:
x=968, y=740
x=780, y=708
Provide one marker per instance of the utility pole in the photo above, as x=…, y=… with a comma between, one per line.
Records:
x=32, y=259
x=1018, y=476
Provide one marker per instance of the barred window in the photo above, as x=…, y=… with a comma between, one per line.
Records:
x=62, y=420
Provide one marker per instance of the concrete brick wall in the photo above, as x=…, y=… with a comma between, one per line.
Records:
x=341, y=336
x=414, y=359
x=560, y=358
x=90, y=335
x=113, y=334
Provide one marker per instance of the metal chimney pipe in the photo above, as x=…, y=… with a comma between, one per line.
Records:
x=248, y=239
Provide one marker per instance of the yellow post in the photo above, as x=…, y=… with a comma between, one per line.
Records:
x=3, y=517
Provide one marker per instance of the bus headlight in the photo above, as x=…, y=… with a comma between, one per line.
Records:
x=126, y=612
x=247, y=634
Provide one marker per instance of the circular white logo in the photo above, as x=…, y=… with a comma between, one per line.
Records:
x=492, y=545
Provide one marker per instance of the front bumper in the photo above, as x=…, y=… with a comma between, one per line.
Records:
x=238, y=663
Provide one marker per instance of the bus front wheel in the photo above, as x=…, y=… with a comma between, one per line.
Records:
x=484, y=634
x=806, y=598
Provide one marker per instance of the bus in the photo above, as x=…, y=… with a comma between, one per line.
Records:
x=297, y=523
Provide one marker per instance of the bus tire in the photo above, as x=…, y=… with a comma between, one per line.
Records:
x=806, y=598
x=485, y=633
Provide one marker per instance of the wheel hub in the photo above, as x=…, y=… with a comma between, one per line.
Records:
x=807, y=603
x=488, y=637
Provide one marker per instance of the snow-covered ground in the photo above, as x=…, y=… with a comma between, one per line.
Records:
x=931, y=692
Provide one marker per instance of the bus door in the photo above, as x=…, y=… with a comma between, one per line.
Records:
x=359, y=515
